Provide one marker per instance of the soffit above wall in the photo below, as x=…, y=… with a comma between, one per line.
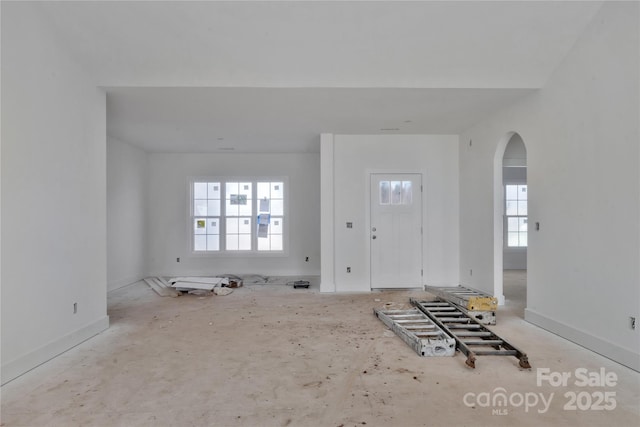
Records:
x=418, y=44
x=288, y=120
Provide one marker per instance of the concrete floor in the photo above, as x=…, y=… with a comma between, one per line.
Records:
x=269, y=355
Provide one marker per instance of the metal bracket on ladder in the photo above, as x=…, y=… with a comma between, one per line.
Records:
x=418, y=331
x=476, y=304
x=472, y=338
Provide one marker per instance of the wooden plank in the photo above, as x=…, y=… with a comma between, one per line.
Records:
x=192, y=285
x=157, y=289
x=168, y=290
x=205, y=280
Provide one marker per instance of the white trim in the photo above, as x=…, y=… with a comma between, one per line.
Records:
x=598, y=345
x=327, y=214
x=498, y=217
x=514, y=163
x=15, y=368
x=121, y=283
x=423, y=209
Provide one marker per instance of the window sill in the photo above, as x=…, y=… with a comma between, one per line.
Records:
x=239, y=254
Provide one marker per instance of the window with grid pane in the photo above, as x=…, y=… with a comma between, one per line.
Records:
x=516, y=215
x=271, y=216
x=206, y=216
x=238, y=215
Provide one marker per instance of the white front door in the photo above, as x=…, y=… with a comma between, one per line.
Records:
x=396, y=231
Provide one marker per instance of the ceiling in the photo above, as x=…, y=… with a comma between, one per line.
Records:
x=185, y=76
x=288, y=119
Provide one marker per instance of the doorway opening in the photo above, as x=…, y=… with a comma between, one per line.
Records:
x=511, y=223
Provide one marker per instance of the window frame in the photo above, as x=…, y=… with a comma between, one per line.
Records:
x=223, y=252
x=505, y=221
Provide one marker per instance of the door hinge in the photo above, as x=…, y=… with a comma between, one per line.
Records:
x=421, y=272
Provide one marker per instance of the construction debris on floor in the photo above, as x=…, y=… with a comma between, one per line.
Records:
x=474, y=303
x=472, y=338
x=418, y=331
x=193, y=285
x=186, y=284
x=161, y=287
x=219, y=284
x=453, y=322
x=299, y=284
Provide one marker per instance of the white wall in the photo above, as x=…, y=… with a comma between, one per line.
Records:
x=127, y=174
x=53, y=196
x=354, y=157
x=168, y=210
x=581, y=133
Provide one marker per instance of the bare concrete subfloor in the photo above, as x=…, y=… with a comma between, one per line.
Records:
x=269, y=355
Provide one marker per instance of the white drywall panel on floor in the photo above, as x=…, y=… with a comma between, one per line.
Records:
x=127, y=174
x=435, y=156
x=53, y=196
x=581, y=133
x=169, y=223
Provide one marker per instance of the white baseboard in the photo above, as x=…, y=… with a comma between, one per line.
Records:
x=327, y=288
x=603, y=347
x=15, y=368
x=120, y=283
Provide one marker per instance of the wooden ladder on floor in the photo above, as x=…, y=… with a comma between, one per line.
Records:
x=418, y=331
x=472, y=338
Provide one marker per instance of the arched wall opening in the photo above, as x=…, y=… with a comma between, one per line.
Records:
x=515, y=224
x=510, y=220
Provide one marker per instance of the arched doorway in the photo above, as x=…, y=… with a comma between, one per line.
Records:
x=511, y=222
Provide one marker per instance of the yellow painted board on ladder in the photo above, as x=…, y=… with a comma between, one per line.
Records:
x=482, y=303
